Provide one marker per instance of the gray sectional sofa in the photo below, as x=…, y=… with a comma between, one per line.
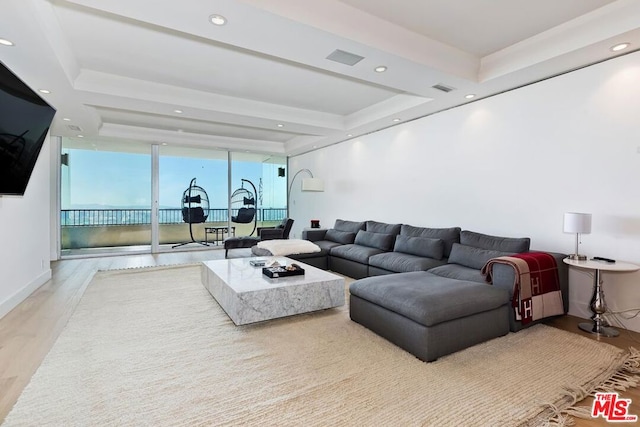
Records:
x=421, y=288
x=371, y=248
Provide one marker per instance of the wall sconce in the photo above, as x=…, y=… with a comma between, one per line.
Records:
x=578, y=223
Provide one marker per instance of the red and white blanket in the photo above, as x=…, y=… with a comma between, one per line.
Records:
x=536, y=291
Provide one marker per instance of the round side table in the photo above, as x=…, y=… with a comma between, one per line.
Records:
x=599, y=325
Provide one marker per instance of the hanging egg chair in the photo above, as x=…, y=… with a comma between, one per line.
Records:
x=195, y=209
x=243, y=203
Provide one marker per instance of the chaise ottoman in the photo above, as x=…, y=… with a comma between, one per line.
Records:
x=429, y=315
x=239, y=242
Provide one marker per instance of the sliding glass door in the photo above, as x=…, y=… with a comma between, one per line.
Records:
x=193, y=190
x=258, y=191
x=105, y=195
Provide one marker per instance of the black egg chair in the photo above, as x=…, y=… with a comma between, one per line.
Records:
x=244, y=203
x=195, y=209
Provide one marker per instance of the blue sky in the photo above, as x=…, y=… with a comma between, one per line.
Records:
x=124, y=180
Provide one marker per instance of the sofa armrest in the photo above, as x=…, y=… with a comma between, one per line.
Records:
x=314, y=235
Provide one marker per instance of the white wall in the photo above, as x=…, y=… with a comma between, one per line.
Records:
x=25, y=237
x=509, y=165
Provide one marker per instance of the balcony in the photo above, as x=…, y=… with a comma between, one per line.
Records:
x=105, y=228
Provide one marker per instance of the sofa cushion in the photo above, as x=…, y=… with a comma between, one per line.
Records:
x=429, y=299
x=449, y=236
x=382, y=227
x=460, y=272
x=375, y=240
x=355, y=253
x=399, y=262
x=496, y=243
x=420, y=246
x=351, y=226
x=342, y=237
x=472, y=257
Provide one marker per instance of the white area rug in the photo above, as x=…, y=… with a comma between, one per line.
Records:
x=151, y=347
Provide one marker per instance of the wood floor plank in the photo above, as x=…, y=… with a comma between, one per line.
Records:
x=29, y=331
x=625, y=340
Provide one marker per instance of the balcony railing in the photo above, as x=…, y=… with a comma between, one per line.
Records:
x=105, y=217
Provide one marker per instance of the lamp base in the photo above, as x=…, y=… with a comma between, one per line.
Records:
x=577, y=257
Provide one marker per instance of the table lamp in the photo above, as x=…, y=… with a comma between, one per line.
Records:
x=578, y=223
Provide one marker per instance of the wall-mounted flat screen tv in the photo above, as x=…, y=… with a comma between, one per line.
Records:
x=24, y=123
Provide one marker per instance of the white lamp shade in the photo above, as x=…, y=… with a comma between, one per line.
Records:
x=575, y=222
x=312, y=184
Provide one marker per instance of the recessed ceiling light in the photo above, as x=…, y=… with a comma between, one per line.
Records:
x=217, y=19
x=470, y=96
x=349, y=135
x=619, y=47
x=82, y=136
x=177, y=111
x=66, y=119
x=380, y=69
x=397, y=119
x=280, y=125
x=5, y=42
x=44, y=91
x=164, y=143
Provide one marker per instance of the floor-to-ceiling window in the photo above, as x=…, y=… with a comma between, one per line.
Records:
x=258, y=191
x=107, y=197
x=105, y=194
x=193, y=195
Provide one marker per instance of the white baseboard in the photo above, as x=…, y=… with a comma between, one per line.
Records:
x=584, y=311
x=581, y=310
x=14, y=300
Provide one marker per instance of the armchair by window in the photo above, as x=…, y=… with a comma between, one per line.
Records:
x=281, y=231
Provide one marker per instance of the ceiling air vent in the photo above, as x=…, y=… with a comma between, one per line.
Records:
x=74, y=128
x=443, y=88
x=345, y=57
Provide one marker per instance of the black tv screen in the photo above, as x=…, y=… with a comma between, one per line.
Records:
x=24, y=122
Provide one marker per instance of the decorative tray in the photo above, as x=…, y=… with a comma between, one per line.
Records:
x=275, y=272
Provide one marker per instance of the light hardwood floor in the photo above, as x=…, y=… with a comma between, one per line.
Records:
x=28, y=332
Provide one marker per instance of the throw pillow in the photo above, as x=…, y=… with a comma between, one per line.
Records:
x=472, y=257
x=375, y=240
x=449, y=235
x=420, y=246
x=337, y=236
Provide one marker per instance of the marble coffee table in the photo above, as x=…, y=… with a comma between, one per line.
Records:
x=247, y=296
